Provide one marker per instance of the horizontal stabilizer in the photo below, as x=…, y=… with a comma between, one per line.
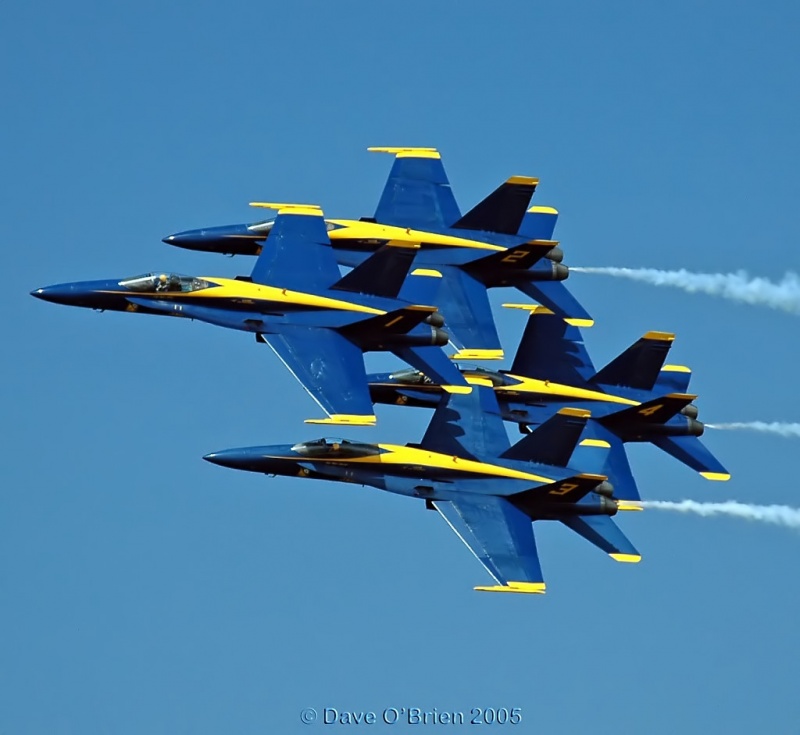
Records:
x=417, y=193
x=551, y=349
x=655, y=411
x=501, y=538
x=605, y=534
x=382, y=274
x=692, y=452
x=503, y=210
x=467, y=425
x=570, y=490
x=557, y=297
x=519, y=258
x=639, y=366
x=400, y=321
x=539, y=223
x=553, y=441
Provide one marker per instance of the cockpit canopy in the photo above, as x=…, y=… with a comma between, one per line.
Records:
x=409, y=376
x=160, y=282
x=333, y=447
x=266, y=226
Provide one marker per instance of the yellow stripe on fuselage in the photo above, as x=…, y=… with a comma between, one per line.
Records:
x=394, y=454
x=245, y=293
x=545, y=387
x=347, y=229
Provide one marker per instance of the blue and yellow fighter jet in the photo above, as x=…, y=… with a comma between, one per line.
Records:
x=635, y=398
x=317, y=322
x=500, y=242
x=487, y=491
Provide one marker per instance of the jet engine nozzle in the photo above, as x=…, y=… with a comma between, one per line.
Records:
x=435, y=319
x=691, y=411
x=605, y=488
x=695, y=428
x=560, y=272
x=556, y=255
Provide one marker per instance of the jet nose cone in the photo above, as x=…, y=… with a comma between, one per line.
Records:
x=236, y=459
x=61, y=294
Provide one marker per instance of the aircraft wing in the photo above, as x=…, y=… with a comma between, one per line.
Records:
x=298, y=254
x=551, y=349
x=330, y=368
x=500, y=536
x=467, y=425
x=417, y=193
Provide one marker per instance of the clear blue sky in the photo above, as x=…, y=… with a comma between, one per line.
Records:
x=144, y=590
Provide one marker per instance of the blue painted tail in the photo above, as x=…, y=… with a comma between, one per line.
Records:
x=503, y=210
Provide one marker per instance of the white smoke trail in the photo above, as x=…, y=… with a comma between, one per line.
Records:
x=765, y=427
x=781, y=515
x=740, y=286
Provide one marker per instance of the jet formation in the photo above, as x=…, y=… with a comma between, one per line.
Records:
x=419, y=273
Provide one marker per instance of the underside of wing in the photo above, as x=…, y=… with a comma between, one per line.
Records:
x=330, y=368
x=500, y=536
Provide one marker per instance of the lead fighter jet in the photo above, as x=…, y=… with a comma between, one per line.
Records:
x=317, y=322
x=487, y=491
x=499, y=242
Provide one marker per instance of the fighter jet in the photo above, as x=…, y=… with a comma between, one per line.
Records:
x=295, y=300
x=487, y=491
x=635, y=398
x=500, y=242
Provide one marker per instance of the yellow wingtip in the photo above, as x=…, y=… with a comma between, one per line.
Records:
x=478, y=355
x=342, y=419
x=716, y=476
x=406, y=152
x=586, y=323
x=536, y=588
x=533, y=308
x=288, y=208
x=627, y=558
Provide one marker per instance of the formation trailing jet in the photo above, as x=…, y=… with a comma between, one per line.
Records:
x=295, y=300
x=635, y=398
x=500, y=242
x=487, y=491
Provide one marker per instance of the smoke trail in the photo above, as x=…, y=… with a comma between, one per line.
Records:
x=773, y=427
x=784, y=295
x=781, y=515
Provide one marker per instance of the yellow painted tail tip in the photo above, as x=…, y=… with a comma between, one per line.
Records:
x=580, y=322
x=478, y=355
x=595, y=443
x=406, y=152
x=430, y=272
x=580, y=413
x=524, y=180
x=536, y=588
x=676, y=369
x=627, y=558
x=346, y=419
x=629, y=505
x=543, y=210
x=463, y=389
x=718, y=476
x=533, y=308
x=662, y=336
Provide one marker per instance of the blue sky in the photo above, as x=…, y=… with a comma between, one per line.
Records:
x=143, y=590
